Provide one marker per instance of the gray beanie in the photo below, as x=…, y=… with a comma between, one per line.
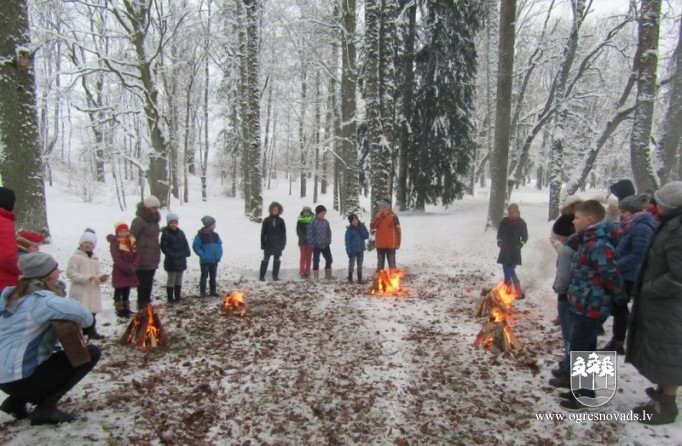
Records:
x=36, y=265
x=172, y=216
x=207, y=221
x=670, y=195
x=633, y=203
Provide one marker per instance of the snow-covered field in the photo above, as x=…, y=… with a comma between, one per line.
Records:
x=325, y=363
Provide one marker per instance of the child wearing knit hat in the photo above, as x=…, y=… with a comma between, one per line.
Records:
x=28, y=241
x=85, y=275
x=123, y=249
x=208, y=246
x=176, y=250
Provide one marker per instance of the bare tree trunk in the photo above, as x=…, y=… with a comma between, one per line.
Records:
x=316, y=135
x=255, y=197
x=302, y=145
x=505, y=72
x=671, y=141
x=21, y=166
x=351, y=183
x=407, y=92
x=640, y=153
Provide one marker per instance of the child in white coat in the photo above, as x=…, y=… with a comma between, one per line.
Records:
x=85, y=275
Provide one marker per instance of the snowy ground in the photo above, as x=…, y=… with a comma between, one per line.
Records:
x=325, y=363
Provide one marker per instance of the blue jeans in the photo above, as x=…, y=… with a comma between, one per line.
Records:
x=583, y=337
x=509, y=271
x=564, y=309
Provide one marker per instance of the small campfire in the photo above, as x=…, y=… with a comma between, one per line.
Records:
x=234, y=304
x=387, y=283
x=496, y=334
x=145, y=330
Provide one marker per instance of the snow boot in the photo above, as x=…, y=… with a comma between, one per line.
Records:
x=126, y=309
x=120, y=311
x=660, y=410
x=91, y=332
x=563, y=381
x=350, y=275
x=49, y=414
x=316, y=275
x=263, y=270
x=170, y=295
x=360, y=278
x=178, y=293
x=328, y=274
x=15, y=407
x=275, y=271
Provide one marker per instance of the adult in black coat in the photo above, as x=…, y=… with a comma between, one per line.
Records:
x=654, y=344
x=175, y=247
x=512, y=234
x=273, y=240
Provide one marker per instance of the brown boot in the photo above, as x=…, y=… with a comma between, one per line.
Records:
x=118, y=306
x=660, y=410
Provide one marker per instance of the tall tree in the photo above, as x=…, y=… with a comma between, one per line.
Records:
x=640, y=153
x=252, y=118
x=671, y=142
x=446, y=68
x=505, y=71
x=349, y=137
x=21, y=165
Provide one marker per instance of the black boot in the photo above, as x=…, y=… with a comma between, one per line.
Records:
x=660, y=410
x=120, y=312
x=126, y=309
x=360, y=278
x=91, y=331
x=275, y=271
x=44, y=414
x=178, y=294
x=15, y=407
x=263, y=270
x=350, y=276
x=170, y=295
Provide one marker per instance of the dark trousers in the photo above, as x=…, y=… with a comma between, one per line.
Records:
x=208, y=270
x=621, y=314
x=563, y=307
x=51, y=380
x=326, y=253
x=353, y=258
x=384, y=254
x=121, y=294
x=144, y=289
x=583, y=337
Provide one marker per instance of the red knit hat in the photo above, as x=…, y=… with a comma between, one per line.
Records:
x=120, y=226
x=26, y=239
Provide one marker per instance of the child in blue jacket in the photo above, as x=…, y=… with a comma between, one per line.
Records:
x=208, y=246
x=356, y=234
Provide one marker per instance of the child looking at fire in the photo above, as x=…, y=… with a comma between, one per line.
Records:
x=208, y=246
x=356, y=234
x=123, y=249
x=512, y=234
x=85, y=275
x=176, y=250
x=595, y=286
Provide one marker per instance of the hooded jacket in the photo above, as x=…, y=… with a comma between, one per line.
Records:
x=273, y=234
x=175, y=248
x=9, y=271
x=388, y=230
x=595, y=280
x=27, y=338
x=84, y=272
x=355, y=238
x=125, y=259
x=208, y=246
x=145, y=228
x=633, y=245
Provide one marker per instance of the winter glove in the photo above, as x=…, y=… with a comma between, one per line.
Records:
x=522, y=243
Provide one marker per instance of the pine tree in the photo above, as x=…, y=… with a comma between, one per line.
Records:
x=443, y=132
x=21, y=165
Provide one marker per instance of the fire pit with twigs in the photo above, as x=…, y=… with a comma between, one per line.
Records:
x=387, y=283
x=496, y=334
x=234, y=304
x=145, y=330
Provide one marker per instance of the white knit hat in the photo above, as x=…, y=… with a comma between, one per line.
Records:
x=151, y=202
x=172, y=216
x=670, y=195
x=88, y=236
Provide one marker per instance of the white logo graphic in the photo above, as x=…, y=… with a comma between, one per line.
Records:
x=593, y=377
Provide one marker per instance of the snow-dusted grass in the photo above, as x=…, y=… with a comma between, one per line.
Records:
x=325, y=363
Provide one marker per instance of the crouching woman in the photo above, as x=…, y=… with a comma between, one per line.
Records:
x=30, y=369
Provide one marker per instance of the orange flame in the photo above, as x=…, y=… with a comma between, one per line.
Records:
x=234, y=303
x=387, y=283
x=152, y=333
x=507, y=294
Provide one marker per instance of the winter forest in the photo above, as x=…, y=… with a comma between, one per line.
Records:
x=450, y=110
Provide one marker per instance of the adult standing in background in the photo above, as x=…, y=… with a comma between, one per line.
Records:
x=655, y=333
x=388, y=234
x=145, y=228
x=9, y=271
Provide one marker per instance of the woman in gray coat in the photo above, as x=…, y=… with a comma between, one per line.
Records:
x=655, y=336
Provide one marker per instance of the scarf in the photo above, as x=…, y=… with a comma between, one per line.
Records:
x=304, y=219
x=626, y=223
x=127, y=243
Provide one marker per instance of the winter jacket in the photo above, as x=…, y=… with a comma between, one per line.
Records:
x=27, y=338
x=125, y=259
x=319, y=233
x=633, y=245
x=176, y=249
x=145, y=229
x=9, y=271
x=595, y=280
x=302, y=229
x=355, y=238
x=273, y=235
x=208, y=246
x=388, y=231
x=564, y=267
x=655, y=330
x=512, y=234
x=83, y=271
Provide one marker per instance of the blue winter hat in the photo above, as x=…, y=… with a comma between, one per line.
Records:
x=207, y=221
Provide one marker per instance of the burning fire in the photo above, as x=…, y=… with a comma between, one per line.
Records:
x=507, y=294
x=496, y=334
x=145, y=330
x=387, y=283
x=234, y=304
